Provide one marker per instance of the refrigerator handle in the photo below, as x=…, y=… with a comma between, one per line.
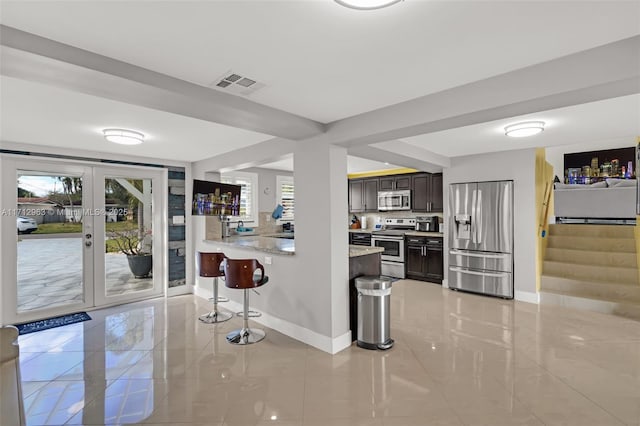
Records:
x=482, y=274
x=479, y=217
x=474, y=196
x=481, y=255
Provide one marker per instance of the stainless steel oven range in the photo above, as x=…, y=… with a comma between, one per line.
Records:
x=391, y=239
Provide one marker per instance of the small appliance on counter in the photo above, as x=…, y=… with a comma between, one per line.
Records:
x=224, y=221
x=427, y=224
x=288, y=227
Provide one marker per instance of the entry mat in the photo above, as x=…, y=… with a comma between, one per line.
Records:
x=45, y=324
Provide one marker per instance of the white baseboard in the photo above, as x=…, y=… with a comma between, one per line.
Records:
x=445, y=283
x=310, y=337
x=526, y=296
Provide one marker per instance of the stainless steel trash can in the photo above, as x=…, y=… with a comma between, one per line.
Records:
x=374, y=295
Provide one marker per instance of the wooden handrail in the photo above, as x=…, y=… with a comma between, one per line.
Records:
x=548, y=190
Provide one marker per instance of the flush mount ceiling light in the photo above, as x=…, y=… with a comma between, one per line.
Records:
x=123, y=136
x=367, y=4
x=524, y=129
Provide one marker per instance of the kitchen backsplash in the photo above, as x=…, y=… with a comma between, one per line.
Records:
x=268, y=225
x=373, y=218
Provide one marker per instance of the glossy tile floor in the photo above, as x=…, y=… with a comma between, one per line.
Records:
x=459, y=359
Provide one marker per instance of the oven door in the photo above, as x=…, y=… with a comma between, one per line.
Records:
x=393, y=248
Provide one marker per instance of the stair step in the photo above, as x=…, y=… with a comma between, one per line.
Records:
x=586, y=230
x=601, y=258
x=591, y=273
x=623, y=245
x=611, y=292
x=620, y=308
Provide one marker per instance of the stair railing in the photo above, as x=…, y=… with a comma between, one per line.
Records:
x=544, y=214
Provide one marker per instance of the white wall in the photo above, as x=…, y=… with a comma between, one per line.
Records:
x=267, y=181
x=518, y=166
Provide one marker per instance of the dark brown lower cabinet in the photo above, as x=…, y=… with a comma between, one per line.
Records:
x=424, y=259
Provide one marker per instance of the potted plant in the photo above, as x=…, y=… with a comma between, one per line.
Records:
x=136, y=245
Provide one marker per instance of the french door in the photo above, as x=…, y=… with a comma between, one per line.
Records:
x=74, y=236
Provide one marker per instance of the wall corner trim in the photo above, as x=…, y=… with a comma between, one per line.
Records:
x=526, y=296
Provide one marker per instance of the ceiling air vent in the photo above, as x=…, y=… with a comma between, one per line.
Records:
x=237, y=84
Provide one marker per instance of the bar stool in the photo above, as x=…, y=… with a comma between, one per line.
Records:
x=239, y=273
x=211, y=267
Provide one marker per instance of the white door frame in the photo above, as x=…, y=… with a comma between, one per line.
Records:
x=158, y=212
x=93, y=262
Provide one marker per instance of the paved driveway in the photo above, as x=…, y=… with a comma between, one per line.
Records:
x=50, y=271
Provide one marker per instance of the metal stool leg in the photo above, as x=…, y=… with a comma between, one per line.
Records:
x=246, y=335
x=215, y=316
x=250, y=313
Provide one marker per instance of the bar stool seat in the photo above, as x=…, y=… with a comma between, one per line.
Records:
x=240, y=274
x=211, y=267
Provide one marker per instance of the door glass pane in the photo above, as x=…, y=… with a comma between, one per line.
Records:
x=50, y=247
x=128, y=235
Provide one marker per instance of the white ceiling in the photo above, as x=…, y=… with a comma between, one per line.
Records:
x=40, y=114
x=321, y=60
x=354, y=165
x=318, y=60
x=617, y=118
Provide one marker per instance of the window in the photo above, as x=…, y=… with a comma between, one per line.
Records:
x=248, y=194
x=286, y=196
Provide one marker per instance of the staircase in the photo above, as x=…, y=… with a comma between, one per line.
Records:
x=592, y=267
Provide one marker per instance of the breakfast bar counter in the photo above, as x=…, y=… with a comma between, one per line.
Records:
x=268, y=244
x=281, y=313
x=281, y=244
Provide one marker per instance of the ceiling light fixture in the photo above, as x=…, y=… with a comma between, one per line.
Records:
x=123, y=136
x=524, y=129
x=367, y=4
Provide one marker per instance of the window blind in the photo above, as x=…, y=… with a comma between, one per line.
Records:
x=247, y=192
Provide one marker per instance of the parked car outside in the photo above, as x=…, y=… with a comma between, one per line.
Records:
x=26, y=225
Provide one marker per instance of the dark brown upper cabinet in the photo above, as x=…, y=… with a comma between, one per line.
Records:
x=427, y=192
x=395, y=182
x=363, y=195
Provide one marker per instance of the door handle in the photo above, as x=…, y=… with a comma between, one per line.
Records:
x=88, y=243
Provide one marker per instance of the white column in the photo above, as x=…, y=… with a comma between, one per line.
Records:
x=322, y=251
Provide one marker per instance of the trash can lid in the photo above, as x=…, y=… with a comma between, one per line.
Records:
x=373, y=282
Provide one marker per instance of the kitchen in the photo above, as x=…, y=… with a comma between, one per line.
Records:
x=402, y=213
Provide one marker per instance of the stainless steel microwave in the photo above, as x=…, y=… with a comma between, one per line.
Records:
x=394, y=200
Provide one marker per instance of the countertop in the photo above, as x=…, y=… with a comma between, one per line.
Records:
x=414, y=233
x=263, y=243
x=285, y=246
x=356, y=251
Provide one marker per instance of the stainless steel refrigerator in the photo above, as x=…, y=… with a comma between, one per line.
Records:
x=481, y=237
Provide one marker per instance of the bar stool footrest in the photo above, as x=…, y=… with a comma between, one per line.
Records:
x=251, y=314
x=221, y=299
x=245, y=336
x=214, y=317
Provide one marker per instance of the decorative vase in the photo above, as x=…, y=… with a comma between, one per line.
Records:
x=140, y=264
